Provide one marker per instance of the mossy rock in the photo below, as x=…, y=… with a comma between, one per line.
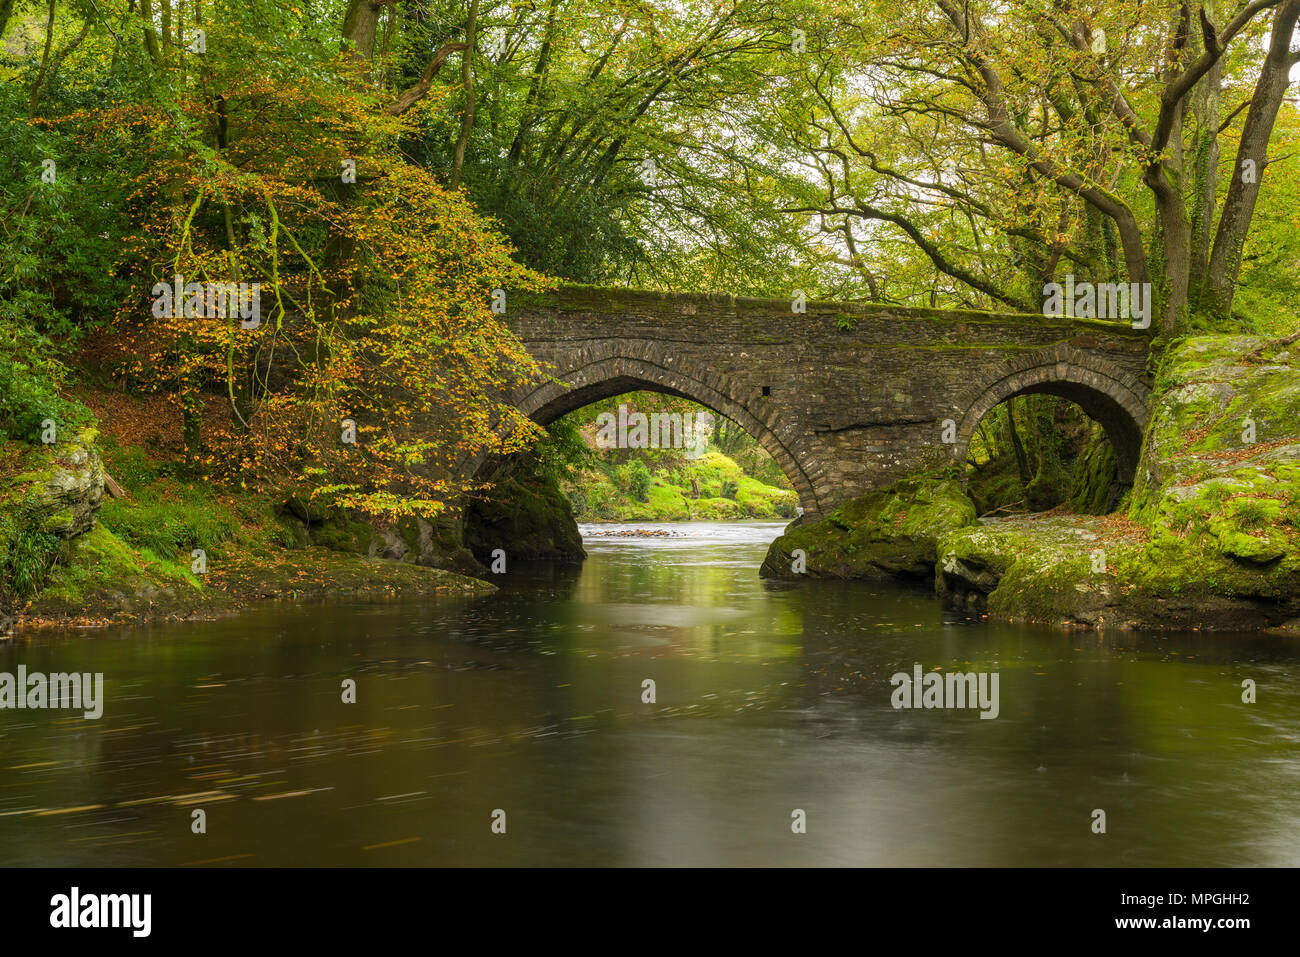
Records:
x=62, y=485
x=882, y=535
x=340, y=532
x=527, y=516
x=52, y=496
x=1085, y=571
x=1255, y=549
x=1036, y=568
x=105, y=578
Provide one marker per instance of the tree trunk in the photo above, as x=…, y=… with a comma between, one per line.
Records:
x=6, y=11
x=165, y=50
x=1022, y=463
x=150, y=37
x=534, y=86
x=1239, y=206
x=360, y=26
x=467, y=80
x=1206, y=106
x=45, y=63
x=1175, y=237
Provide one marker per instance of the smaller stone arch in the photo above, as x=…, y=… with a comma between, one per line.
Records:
x=599, y=374
x=1111, y=396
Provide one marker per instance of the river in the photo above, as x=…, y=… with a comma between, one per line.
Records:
x=525, y=710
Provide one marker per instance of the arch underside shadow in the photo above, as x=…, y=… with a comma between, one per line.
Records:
x=1114, y=399
x=607, y=377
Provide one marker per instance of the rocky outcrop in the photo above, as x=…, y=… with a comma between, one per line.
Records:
x=53, y=497
x=64, y=491
x=527, y=516
x=428, y=543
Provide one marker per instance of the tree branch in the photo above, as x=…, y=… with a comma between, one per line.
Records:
x=421, y=89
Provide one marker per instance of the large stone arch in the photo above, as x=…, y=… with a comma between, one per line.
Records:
x=1109, y=395
x=602, y=372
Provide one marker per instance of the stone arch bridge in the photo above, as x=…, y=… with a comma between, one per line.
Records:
x=847, y=397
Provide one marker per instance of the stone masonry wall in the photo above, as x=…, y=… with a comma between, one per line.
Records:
x=847, y=396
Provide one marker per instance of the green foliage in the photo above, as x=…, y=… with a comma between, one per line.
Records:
x=30, y=380
x=711, y=488
x=634, y=479
x=563, y=450
x=63, y=242
x=1066, y=458
x=26, y=555
x=615, y=144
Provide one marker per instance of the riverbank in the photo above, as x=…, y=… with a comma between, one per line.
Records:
x=105, y=584
x=1209, y=537
x=97, y=532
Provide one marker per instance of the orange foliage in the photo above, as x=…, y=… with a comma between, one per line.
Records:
x=375, y=297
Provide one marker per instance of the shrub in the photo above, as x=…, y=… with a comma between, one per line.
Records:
x=30, y=377
x=635, y=479
x=26, y=559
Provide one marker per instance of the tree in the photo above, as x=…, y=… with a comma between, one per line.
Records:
x=370, y=365
x=1011, y=143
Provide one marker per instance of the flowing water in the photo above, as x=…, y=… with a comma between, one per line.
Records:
x=527, y=708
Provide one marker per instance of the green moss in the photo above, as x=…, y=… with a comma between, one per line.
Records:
x=1094, y=477
x=104, y=574
x=527, y=515
x=340, y=532
x=885, y=534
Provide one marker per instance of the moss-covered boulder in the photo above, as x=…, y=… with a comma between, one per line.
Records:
x=882, y=535
x=439, y=543
x=62, y=485
x=430, y=543
x=1058, y=569
x=1095, y=572
x=527, y=515
x=50, y=494
x=342, y=532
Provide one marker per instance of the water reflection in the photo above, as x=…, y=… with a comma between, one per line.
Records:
x=769, y=697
